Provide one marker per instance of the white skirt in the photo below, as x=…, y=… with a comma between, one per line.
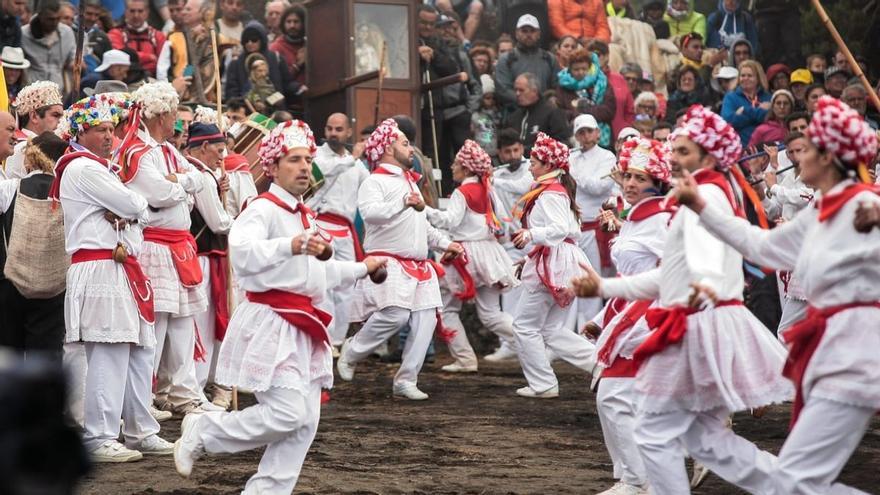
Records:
x=627, y=342
x=399, y=289
x=564, y=263
x=99, y=306
x=727, y=358
x=262, y=350
x=169, y=294
x=488, y=264
x=846, y=366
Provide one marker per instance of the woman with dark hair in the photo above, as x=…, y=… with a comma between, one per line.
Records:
x=563, y=49
x=812, y=95
x=691, y=90
x=583, y=88
x=550, y=223
x=254, y=39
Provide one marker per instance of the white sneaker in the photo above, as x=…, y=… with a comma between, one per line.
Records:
x=459, y=368
x=411, y=392
x=158, y=415
x=700, y=474
x=221, y=397
x=334, y=351
x=621, y=488
x=550, y=393
x=113, y=451
x=345, y=369
x=152, y=445
x=188, y=448
x=503, y=353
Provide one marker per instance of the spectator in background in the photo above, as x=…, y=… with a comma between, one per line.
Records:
x=683, y=19
x=292, y=45
x=254, y=39
x=724, y=81
x=835, y=80
x=652, y=13
x=583, y=88
x=504, y=44
x=692, y=56
x=67, y=14
x=175, y=15
x=114, y=67
x=274, y=10
x=136, y=34
x=746, y=107
x=778, y=23
x=469, y=10
x=619, y=8
x=583, y=19
x=48, y=44
x=11, y=12
x=856, y=97
x=481, y=61
x=236, y=110
x=690, y=90
x=91, y=15
x=528, y=56
x=15, y=67
x=97, y=41
x=624, y=114
x=229, y=22
x=798, y=82
x=817, y=65
x=839, y=60
x=564, y=47
x=661, y=131
x=778, y=76
x=486, y=121
x=632, y=74
x=812, y=95
x=742, y=50
x=646, y=84
x=731, y=23
x=773, y=129
x=647, y=109
x=533, y=114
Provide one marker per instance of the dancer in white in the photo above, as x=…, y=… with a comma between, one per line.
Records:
x=484, y=270
x=833, y=351
x=550, y=224
x=703, y=360
x=644, y=166
x=108, y=304
x=40, y=109
x=277, y=344
x=241, y=183
x=397, y=228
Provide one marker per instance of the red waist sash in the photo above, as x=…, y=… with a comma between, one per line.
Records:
x=803, y=338
x=562, y=295
x=349, y=230
x=183, y=252
x=217, y=262
x=668, y=327
x=633, y=313
x=297, y=310
x=460, y=264
x=417, y=269
x=621, y=368
x=138, y=283
x=603, y=240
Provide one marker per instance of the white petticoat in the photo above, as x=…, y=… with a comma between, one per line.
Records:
x=846, y=365
x=169, y=295
x=626, y=342
x=399, y=289
x=262, y=350
x=99, y=306
x=727, y=358
x=488, y=264
x=564, y=263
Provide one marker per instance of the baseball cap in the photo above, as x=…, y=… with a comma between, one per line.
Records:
x=627, y=133
x=528, y=20
x=113, y=57
x=585, y=121
x=835, y=71
x=727, y=73
x=802, y=76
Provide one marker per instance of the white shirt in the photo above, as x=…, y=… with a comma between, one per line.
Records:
x=788, y=196
x=342, y=179
x=15, y=163
x=207, y=201
x=88, y=190
x=591, y=169
x=241, y=189
x=551, y=220
x=8, y=188
x=462, y=223
x=639, y=246
x=172, y=199
x=389, y=225
x=510, y=185
x=259, y=243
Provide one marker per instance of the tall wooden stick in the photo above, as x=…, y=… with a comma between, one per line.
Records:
x=823, y=16
x=379, y=86
x=78, y=56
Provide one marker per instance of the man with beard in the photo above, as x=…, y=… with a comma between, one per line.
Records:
x=48, y=44
x=342, y=177
x=136, y=34
x=292, y=46
x=528, y=56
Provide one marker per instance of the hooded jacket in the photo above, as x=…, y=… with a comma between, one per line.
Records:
x=725, y=27
x=237, y=81
x=691, y=22
x=732, y=49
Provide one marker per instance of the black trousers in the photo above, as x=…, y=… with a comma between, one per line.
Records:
x=31, y=325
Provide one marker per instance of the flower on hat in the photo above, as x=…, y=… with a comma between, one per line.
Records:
x=37, y=95
x=283, y=138
x=550, y=152
x=712, y=133
x=647, y=155
x=380, y=140
x=837, y=128
x=472, y=157
x=208, y=115
x=156, y=98
x=91, y=112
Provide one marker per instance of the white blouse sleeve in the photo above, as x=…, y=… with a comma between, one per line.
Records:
x=553, y=206
x=645, y=285
x=452, y=216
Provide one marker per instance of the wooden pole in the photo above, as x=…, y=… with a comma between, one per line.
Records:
x=823, y=16
x=78, y=56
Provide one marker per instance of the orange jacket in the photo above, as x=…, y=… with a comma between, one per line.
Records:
x=579, y=18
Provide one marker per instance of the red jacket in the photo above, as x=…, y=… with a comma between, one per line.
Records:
x=147, y=43
x=288, y=52
x=579, y=18
x=625, y=114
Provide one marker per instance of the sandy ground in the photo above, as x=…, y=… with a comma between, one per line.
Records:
x=474, y=436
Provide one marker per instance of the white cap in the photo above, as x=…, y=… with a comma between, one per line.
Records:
x=113, y=57
x=727, y=73
x=627, y=133
x=528, y=20
x=487, y=83
x=585, y=121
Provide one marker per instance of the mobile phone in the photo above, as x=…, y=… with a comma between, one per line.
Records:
x=188, y=71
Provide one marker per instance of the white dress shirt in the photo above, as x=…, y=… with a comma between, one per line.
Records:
x=207, y=201
x=241, y=189
x=15, y=163
x=462, y=223
x=591, y=169
x=510, y=185
x=342, y=179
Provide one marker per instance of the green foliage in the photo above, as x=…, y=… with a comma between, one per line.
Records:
x=852, y=18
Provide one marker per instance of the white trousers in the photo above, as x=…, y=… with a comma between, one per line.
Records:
x=118, y=385
x=616, y=405
x=382, y=325
x=174, y=364
x=74, y=362
x=488, y=302
x=284, y=421
x=793, y=311
x=663, y=439
x=205, y=325
x=340, y=296
x=538, y=325
x=818, y=447
x=584, y=309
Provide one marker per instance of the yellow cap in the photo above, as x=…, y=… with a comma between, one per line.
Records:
x=802, y=76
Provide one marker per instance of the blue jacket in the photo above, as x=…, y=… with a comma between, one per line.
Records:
x=751, y=117
x=723, y=28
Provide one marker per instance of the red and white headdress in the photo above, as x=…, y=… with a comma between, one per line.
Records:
x=550, y=152
x=283, y=138
x=837, y=128
x=472, y=157
x=380, y=140
x=37, y=95
x=712, y=133
x=648, y=155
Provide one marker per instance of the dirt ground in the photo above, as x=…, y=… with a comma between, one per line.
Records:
x=474, y=436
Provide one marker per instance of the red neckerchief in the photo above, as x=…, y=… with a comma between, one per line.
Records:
x=478, y=196
x=831, y=204
x=55, y=188
x=648, y=208
x=555, y=187
x=412, y=177
x=716, y=178
x=304, y=212
x=633, y=313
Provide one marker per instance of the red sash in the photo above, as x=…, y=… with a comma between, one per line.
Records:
x=477, y=196
x=831, y=204
x=301, y=209
x=562, y=295
x=615, y=305
x=235, y=162
x=603, y=240
x=349, y=230
x=183, y=249
x=138, y=283
x=460, y=264
x=804, y=338
x=668, y=327
x=217, y=272
x=297, y=310
x=633, y=313
x=417, y=269
x=709, y=176
x=621, y=368
x=648, y=208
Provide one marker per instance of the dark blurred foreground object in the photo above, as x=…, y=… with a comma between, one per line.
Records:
x=41, y=453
